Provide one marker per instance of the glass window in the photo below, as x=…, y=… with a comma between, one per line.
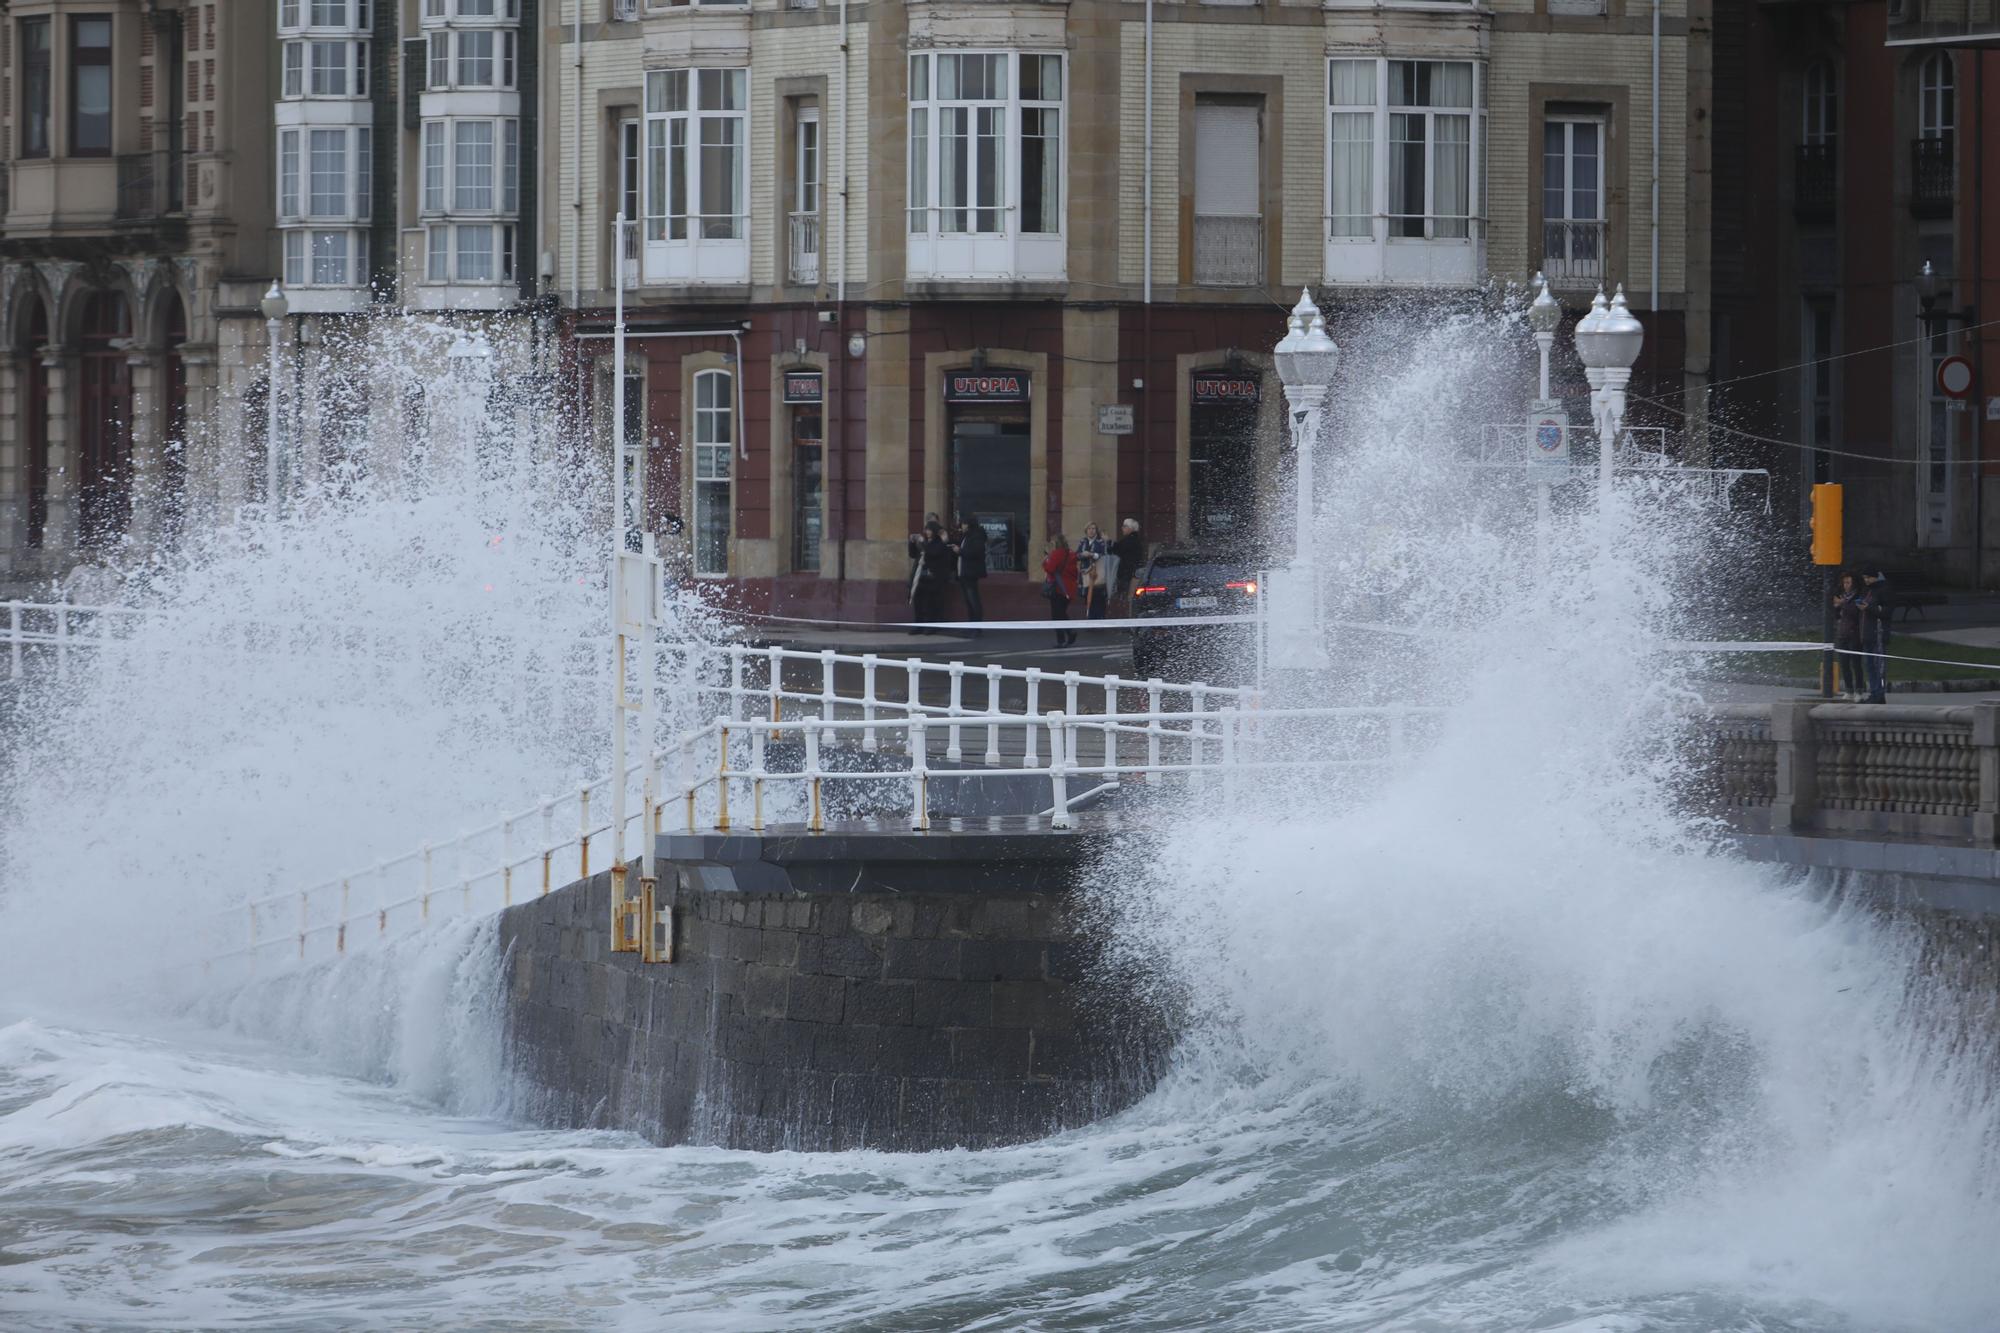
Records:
x=475, y=59
x=510, y=165
x=329, y=258
x=288, y=174
x=472, y=166
x=433, y=138
x=1821, y=110
x=35, y=86
x=437, y=254
x=440, y=60
x=328, y=192
x=295, y=259
x=288, y=13
x=807, y=487
x=697, y=157
x=986, y=143
x=805, y=190
x=1936, y=98
x=475, y=253
x=90, y=86
x=329, y=69
x=714, y=440
x=329, y=13
x=1419, y=115
x=364, y=183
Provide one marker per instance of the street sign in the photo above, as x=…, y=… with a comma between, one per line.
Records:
x=1548, y=432
x=1114, y=419
x=1954, y=377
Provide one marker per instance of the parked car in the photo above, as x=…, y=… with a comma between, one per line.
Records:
x=1179, y=582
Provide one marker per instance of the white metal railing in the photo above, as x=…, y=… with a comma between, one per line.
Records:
x=1573, y=251
x=805, y=248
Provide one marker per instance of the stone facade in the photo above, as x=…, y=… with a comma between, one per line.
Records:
x=843, y=991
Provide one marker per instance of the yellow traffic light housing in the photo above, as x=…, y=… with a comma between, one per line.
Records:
x=1826, y=524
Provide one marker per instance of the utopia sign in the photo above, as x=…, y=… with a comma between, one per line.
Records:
x=1000, y=386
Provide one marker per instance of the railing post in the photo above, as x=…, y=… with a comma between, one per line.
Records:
x=1198, y=742
x=548, y=842
x=1058, y=772
x=777, y=683
x=506, y=863
x=868, y=664
x=1154, y=725
x=1986, y=742
x=340, y=933
x=583, y=833
x=993, y=713
x=913, y=686
x=920, y=812
x=62, y=641
x=1797, y=795
x=955, y=707
x=1070, y=704
x=815, y=820
x=1111, y=685
x=684, y=763
x=1031, y=709
x=735, y=682
x=1228, y=721
x=14, y=640
x=722, y=779
x=757, y=736
x=826, y=694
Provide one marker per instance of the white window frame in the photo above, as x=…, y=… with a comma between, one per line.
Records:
x=296, y=198
x=1937, y=97
x=446, y=59
x=712, y=463
x=983, y=237
x=1571, y=267
x=1355, y=254
x=446, y=254
x=303, y=249
x=631, y=153
x=439, y=168
x=301, y=69
x=303, y=16
x=680, y=239
x=439, y=12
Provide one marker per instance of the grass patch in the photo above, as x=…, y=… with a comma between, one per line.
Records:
x=1932, y=664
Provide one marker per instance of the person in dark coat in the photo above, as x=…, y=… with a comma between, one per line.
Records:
x=1875, y=620
x=934, y=570
x=1849, y=612
x=1127, y=554
x=971, y=550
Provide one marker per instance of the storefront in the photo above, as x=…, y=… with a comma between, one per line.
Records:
x=1223, y=471
x=990, y=478
x=803, y=402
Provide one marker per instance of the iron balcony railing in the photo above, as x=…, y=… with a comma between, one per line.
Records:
x=1573, y=251
x=1933, y=183
x=805, y=249
x=1814, y=182
x=1229, y=249
x=149, y=185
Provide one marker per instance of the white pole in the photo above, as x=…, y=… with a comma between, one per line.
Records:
x=271, y=327
x=619, y=484
x=1543, y=343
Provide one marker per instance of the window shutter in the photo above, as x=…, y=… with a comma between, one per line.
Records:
x=1226, y=161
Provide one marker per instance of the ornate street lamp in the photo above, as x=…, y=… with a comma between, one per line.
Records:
x=275, y=307
x=1306, y=359
x=1608, y=340
x=1543, y=317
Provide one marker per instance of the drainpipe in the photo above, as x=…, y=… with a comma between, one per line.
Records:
x=836, y=476
x=1655, y=267
x=1146, y=317
x=576, y=170
x=1978, y=248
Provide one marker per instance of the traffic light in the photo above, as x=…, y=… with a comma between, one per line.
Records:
x=1826, y=524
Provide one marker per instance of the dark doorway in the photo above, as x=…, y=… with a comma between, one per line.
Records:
x=1222, y=462
x=808, y=486
x=173, y=417
x=35, y=428
x=102, y=421
x=990, y=481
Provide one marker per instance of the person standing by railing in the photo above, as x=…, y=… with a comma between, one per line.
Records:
x=1128, y=553
x=933, y=570
x=1093, y=571
x=1059, y=585
x=971, y=551
x=1849, y=609
x=1880, y=610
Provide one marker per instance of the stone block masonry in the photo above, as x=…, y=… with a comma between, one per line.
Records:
x=845, y=990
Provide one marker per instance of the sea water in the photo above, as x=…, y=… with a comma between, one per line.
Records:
x=1503, y=1043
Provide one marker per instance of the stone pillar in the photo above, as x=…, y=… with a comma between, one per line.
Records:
x=59, y=534
x=1798, y=766
x=882, y=553
x=1089, y=460
x=1986, y=741
x=148, y=433
x=203, y=501
x=13, y=468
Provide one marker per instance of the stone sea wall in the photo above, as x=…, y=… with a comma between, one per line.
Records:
x=881, y=991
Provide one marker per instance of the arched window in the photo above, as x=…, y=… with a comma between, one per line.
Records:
x=714, y=439
x=103, y=420
x=1821, y=119
x=1936, y=97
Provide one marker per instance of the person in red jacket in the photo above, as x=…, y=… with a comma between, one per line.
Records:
x=1060, y=585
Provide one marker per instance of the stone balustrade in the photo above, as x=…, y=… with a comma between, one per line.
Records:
x=1899, y=770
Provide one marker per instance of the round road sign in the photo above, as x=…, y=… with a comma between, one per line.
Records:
x=1954, y=377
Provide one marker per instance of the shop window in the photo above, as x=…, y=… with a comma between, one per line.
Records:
x=714, y=445
x=808, y=486
x=90, y=86
x=1222, y=458
x=35, y=87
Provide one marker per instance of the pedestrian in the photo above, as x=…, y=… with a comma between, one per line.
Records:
x=927, y=582
x=1849, y=611
x=1059, y=585
x=971, y=551
x=1881, y=611
x=1093, y=571
x=1127, y=554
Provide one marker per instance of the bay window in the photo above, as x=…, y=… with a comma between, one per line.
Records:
x=440, y=11
x=347, y=14
x=474, y=58
x=322, y=257
x=35, y=86
x=986, y=164
x=469, y=183
x=1405, y=170
x=90, y=86
x=697, y=175
x=325, y=69
x=324, y=177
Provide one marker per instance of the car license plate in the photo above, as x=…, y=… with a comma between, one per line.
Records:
x=1196, y=604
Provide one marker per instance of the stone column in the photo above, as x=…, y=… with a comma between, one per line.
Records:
x=882, y=553
x=13, y=468
x=1089, y=460
x=203, y=500
x=59, y=533
x=142, y=364
x=1986, y=741
x=1798, y=766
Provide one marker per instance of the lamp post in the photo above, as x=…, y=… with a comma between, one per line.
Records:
x=1306, y=359
x=1543, y=317
x=275, y=305
x=1608, y=340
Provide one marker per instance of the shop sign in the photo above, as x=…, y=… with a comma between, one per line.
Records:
x=1222, y=388
x=802, y=386
x=992, y=386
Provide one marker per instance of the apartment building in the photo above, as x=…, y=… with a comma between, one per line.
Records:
x=1026, y=261
x=1864, y=125
x=167, y=161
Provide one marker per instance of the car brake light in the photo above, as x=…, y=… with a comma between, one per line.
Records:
x=1148, y=592
x=1248, y=586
